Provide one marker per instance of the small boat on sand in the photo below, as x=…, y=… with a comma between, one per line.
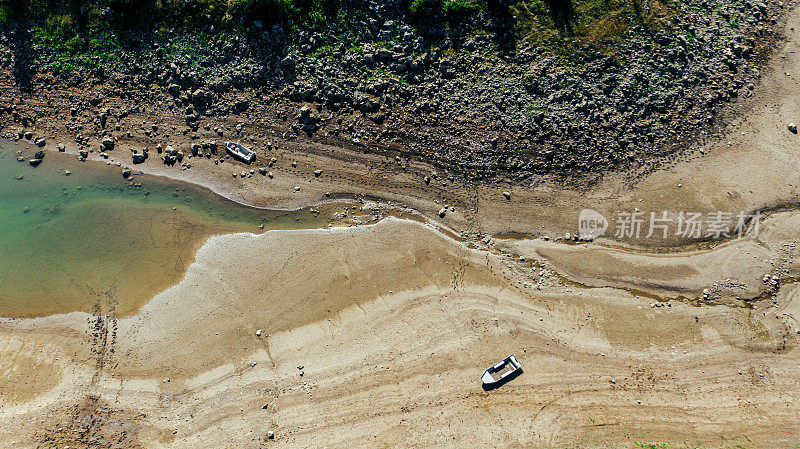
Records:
x=240, y=152
x=501, y=371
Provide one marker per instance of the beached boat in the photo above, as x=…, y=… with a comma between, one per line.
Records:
x=240, y=152
x=501, y=370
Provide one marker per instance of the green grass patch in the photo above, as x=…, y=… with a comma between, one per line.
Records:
x=559, y=24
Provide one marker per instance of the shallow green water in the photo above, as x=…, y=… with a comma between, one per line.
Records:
x=67, y=240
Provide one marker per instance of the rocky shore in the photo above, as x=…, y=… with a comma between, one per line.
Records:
x=473, y=105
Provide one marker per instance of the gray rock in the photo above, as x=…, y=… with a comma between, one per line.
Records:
x=287, y=62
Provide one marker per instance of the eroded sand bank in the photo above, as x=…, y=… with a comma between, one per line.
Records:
x=376, y=336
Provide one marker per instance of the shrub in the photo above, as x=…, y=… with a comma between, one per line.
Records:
x=459, y=9
x=421, y=8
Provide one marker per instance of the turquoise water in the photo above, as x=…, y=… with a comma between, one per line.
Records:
x=66, y=241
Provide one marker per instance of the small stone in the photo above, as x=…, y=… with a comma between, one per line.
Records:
x=442, y=212
x=108, y=144
x=296, y=188
x=507, y=195
x=317, y=173
x=792, y=128
x=67, y=172
x=258, y=333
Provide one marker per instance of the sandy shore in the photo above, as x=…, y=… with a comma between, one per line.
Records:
x=383, y=345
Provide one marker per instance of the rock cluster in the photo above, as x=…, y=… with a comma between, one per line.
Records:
x=473, y=104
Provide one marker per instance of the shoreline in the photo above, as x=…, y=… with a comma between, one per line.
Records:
x=302, y=349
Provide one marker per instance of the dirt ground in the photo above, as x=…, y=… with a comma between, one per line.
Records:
x=376, y=336
x=383, y=346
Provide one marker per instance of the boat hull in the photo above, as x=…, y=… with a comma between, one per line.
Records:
x=240, y=152
x=501, y=372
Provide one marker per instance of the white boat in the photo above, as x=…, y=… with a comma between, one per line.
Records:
x=240, y=152
x=501, y=370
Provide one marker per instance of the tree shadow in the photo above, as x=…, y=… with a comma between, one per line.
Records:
x=561, y=12
x=502, y=24
x=22, y=71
